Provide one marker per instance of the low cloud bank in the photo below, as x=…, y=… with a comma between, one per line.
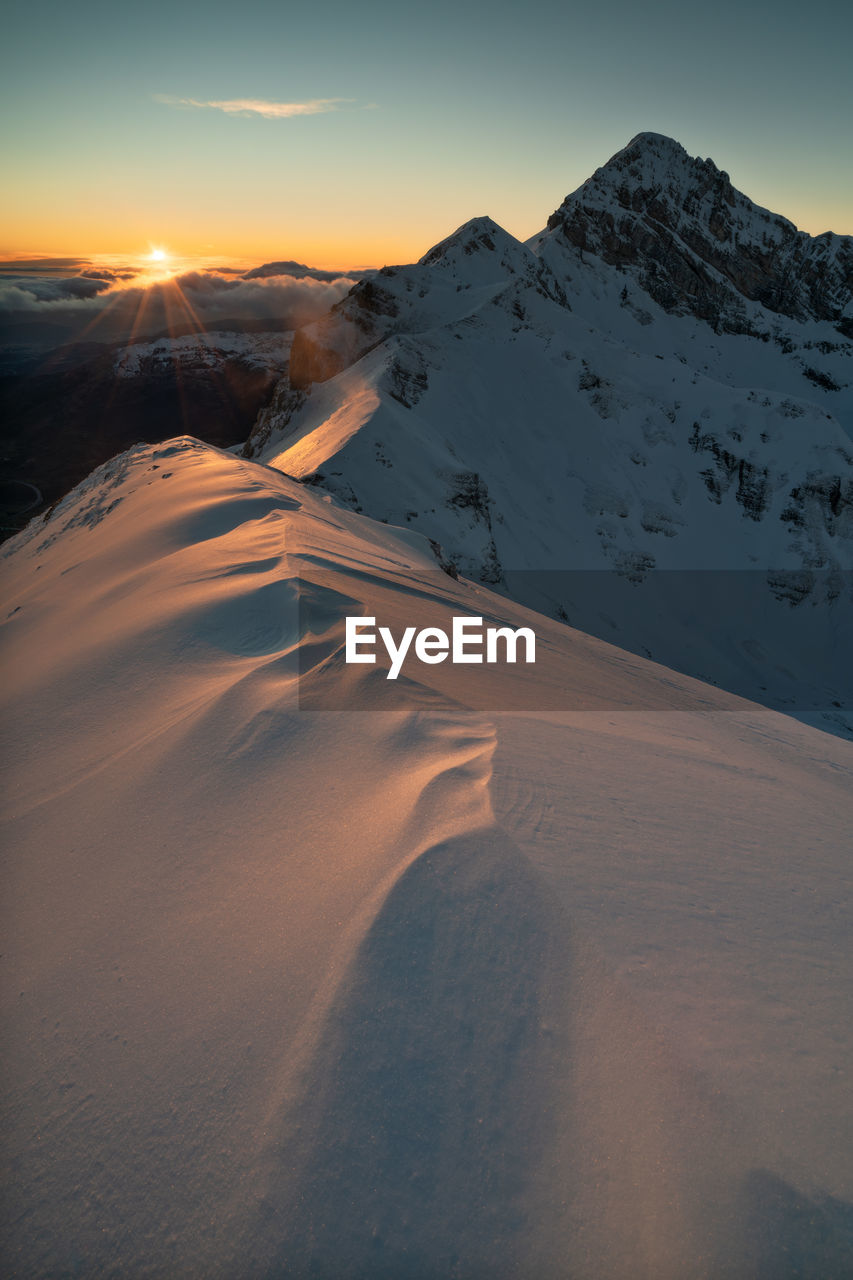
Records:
x=31, y=293
x=102, y=303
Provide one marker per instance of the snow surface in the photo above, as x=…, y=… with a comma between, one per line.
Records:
x=267, y=351
x=308, y=973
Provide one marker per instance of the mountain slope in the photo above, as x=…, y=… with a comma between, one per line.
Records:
x=547, y=410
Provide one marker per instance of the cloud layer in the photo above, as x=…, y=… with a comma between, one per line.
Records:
x=103, y=305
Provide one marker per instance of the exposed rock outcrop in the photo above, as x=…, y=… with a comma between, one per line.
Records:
x=697, y=245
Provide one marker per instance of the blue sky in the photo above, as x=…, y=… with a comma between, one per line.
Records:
x=431, y=115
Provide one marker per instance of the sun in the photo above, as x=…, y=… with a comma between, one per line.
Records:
x=158, y=263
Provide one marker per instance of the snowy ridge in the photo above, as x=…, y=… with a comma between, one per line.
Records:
x=352, y=993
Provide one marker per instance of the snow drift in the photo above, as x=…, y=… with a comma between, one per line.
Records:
x=405, y=985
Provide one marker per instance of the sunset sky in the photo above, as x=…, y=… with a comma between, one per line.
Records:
x=347, y=135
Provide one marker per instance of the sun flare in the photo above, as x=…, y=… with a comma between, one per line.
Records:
x=158, y=264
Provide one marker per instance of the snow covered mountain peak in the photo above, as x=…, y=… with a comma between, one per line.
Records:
x=625, y=394
x=648, y=150
x=478, y=237
x=653, y=170
x=699, y=246
x=475, y=265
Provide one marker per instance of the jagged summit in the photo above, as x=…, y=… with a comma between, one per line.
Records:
x=474, y=236
x=660, y=145
x=480, y=252
x=648, y=149
x=648, y=138
x=653, y=172
x=698, y=245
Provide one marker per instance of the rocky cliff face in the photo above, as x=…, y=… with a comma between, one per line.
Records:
x=698, y=246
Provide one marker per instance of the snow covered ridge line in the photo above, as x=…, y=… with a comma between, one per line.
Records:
x=432, y=644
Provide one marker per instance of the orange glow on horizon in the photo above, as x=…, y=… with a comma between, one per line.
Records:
x=344, y=253
x=347, y=253
x=185, y=243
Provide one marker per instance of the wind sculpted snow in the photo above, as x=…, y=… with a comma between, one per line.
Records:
x=311, y=973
